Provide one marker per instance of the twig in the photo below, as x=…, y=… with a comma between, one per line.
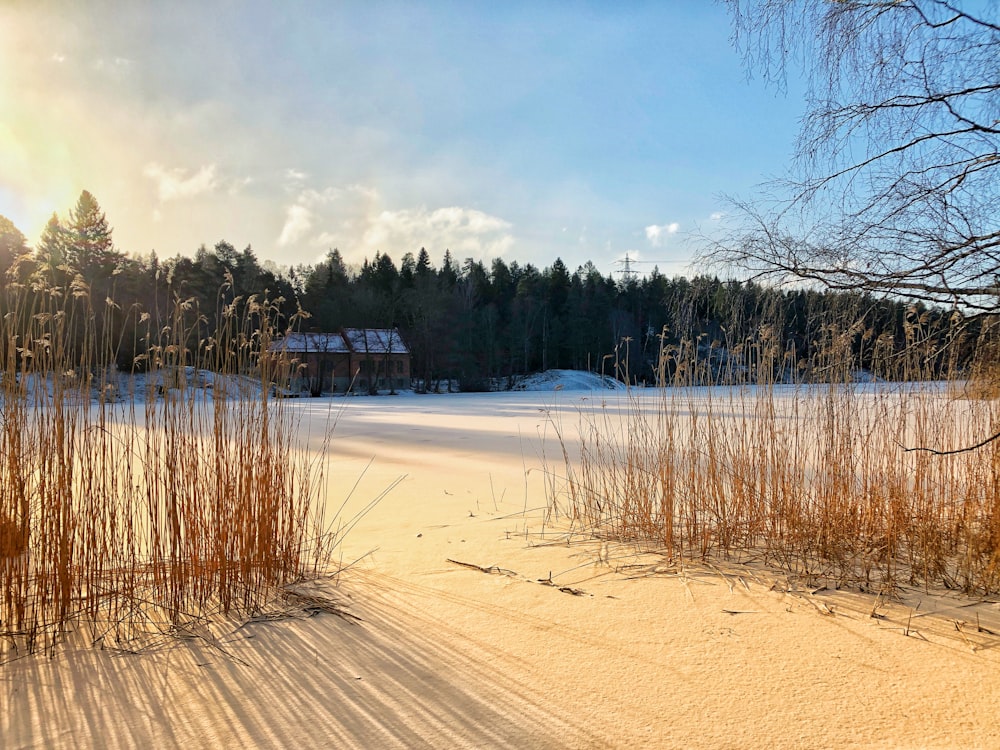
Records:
x=491, y=570
x=960, y=627
x=565, y=589
x=968, y=448
x=981, y=629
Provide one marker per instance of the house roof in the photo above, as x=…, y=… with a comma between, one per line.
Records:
x=375, y=341
x=310, y=342
x=348, y=340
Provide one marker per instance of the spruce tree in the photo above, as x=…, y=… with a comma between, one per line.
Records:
x=12, y=245
x=89, y=248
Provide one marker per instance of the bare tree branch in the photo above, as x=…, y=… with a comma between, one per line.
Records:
x=966, y=449
x=895, y=188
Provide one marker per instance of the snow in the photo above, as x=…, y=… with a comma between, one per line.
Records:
x=311, y=342
x=648, y=655
x=568, y=380
x=375, y=340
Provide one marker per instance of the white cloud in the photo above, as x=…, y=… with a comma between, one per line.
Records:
x=717, y=216
x=353, y=219
x=656, y=233
x=329, y=210
x=298, y=222
x=317, y=198
x=114, y=69
x=236, y=186
x=174, y=184
x=326, y=239
x=467, y=232
x=293, y=180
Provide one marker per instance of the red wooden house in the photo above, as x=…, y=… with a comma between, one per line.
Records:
x=359, y=359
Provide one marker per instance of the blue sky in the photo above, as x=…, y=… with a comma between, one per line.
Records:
x=521, y=130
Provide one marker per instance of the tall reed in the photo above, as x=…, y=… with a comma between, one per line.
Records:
x=813, y=478
x=143, y=500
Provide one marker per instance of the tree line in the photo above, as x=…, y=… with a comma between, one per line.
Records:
x=486, y=325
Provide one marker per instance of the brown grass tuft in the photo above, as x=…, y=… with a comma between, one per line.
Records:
x=139, y=501
x=813, y=478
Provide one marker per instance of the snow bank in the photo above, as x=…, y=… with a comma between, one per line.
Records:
x=568, y=380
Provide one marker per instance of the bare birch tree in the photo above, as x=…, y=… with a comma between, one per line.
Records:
x=896, y=183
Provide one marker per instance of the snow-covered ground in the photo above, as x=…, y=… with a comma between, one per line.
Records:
x=568, y=380
x=204, y=383
x=484, y=624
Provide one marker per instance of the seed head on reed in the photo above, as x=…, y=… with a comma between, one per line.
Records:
x=138, y=500
x=811, y=477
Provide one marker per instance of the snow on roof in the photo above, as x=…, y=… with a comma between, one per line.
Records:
x=379, y=340
x=310, y=342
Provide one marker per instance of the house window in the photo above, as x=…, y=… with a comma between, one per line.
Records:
x=399, y=367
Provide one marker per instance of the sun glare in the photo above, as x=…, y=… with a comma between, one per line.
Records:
x=35, y=180
x=37, y=177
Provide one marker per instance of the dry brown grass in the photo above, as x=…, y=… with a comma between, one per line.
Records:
x=813, y=479
x=124, y=512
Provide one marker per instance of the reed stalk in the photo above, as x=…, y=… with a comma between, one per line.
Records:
x=139, y=501
x=812, y=478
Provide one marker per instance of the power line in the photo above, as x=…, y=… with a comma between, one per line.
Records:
x=627, y=273
x=636, y=261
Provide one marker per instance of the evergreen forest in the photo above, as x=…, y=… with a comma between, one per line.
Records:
x=479, y=326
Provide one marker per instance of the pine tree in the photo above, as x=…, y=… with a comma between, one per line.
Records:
x=89, y=248
x=424, y=266
x=448, y=275
x=51, y=251
x=12, y=245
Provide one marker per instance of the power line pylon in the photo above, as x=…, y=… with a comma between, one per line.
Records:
x=627, y=273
